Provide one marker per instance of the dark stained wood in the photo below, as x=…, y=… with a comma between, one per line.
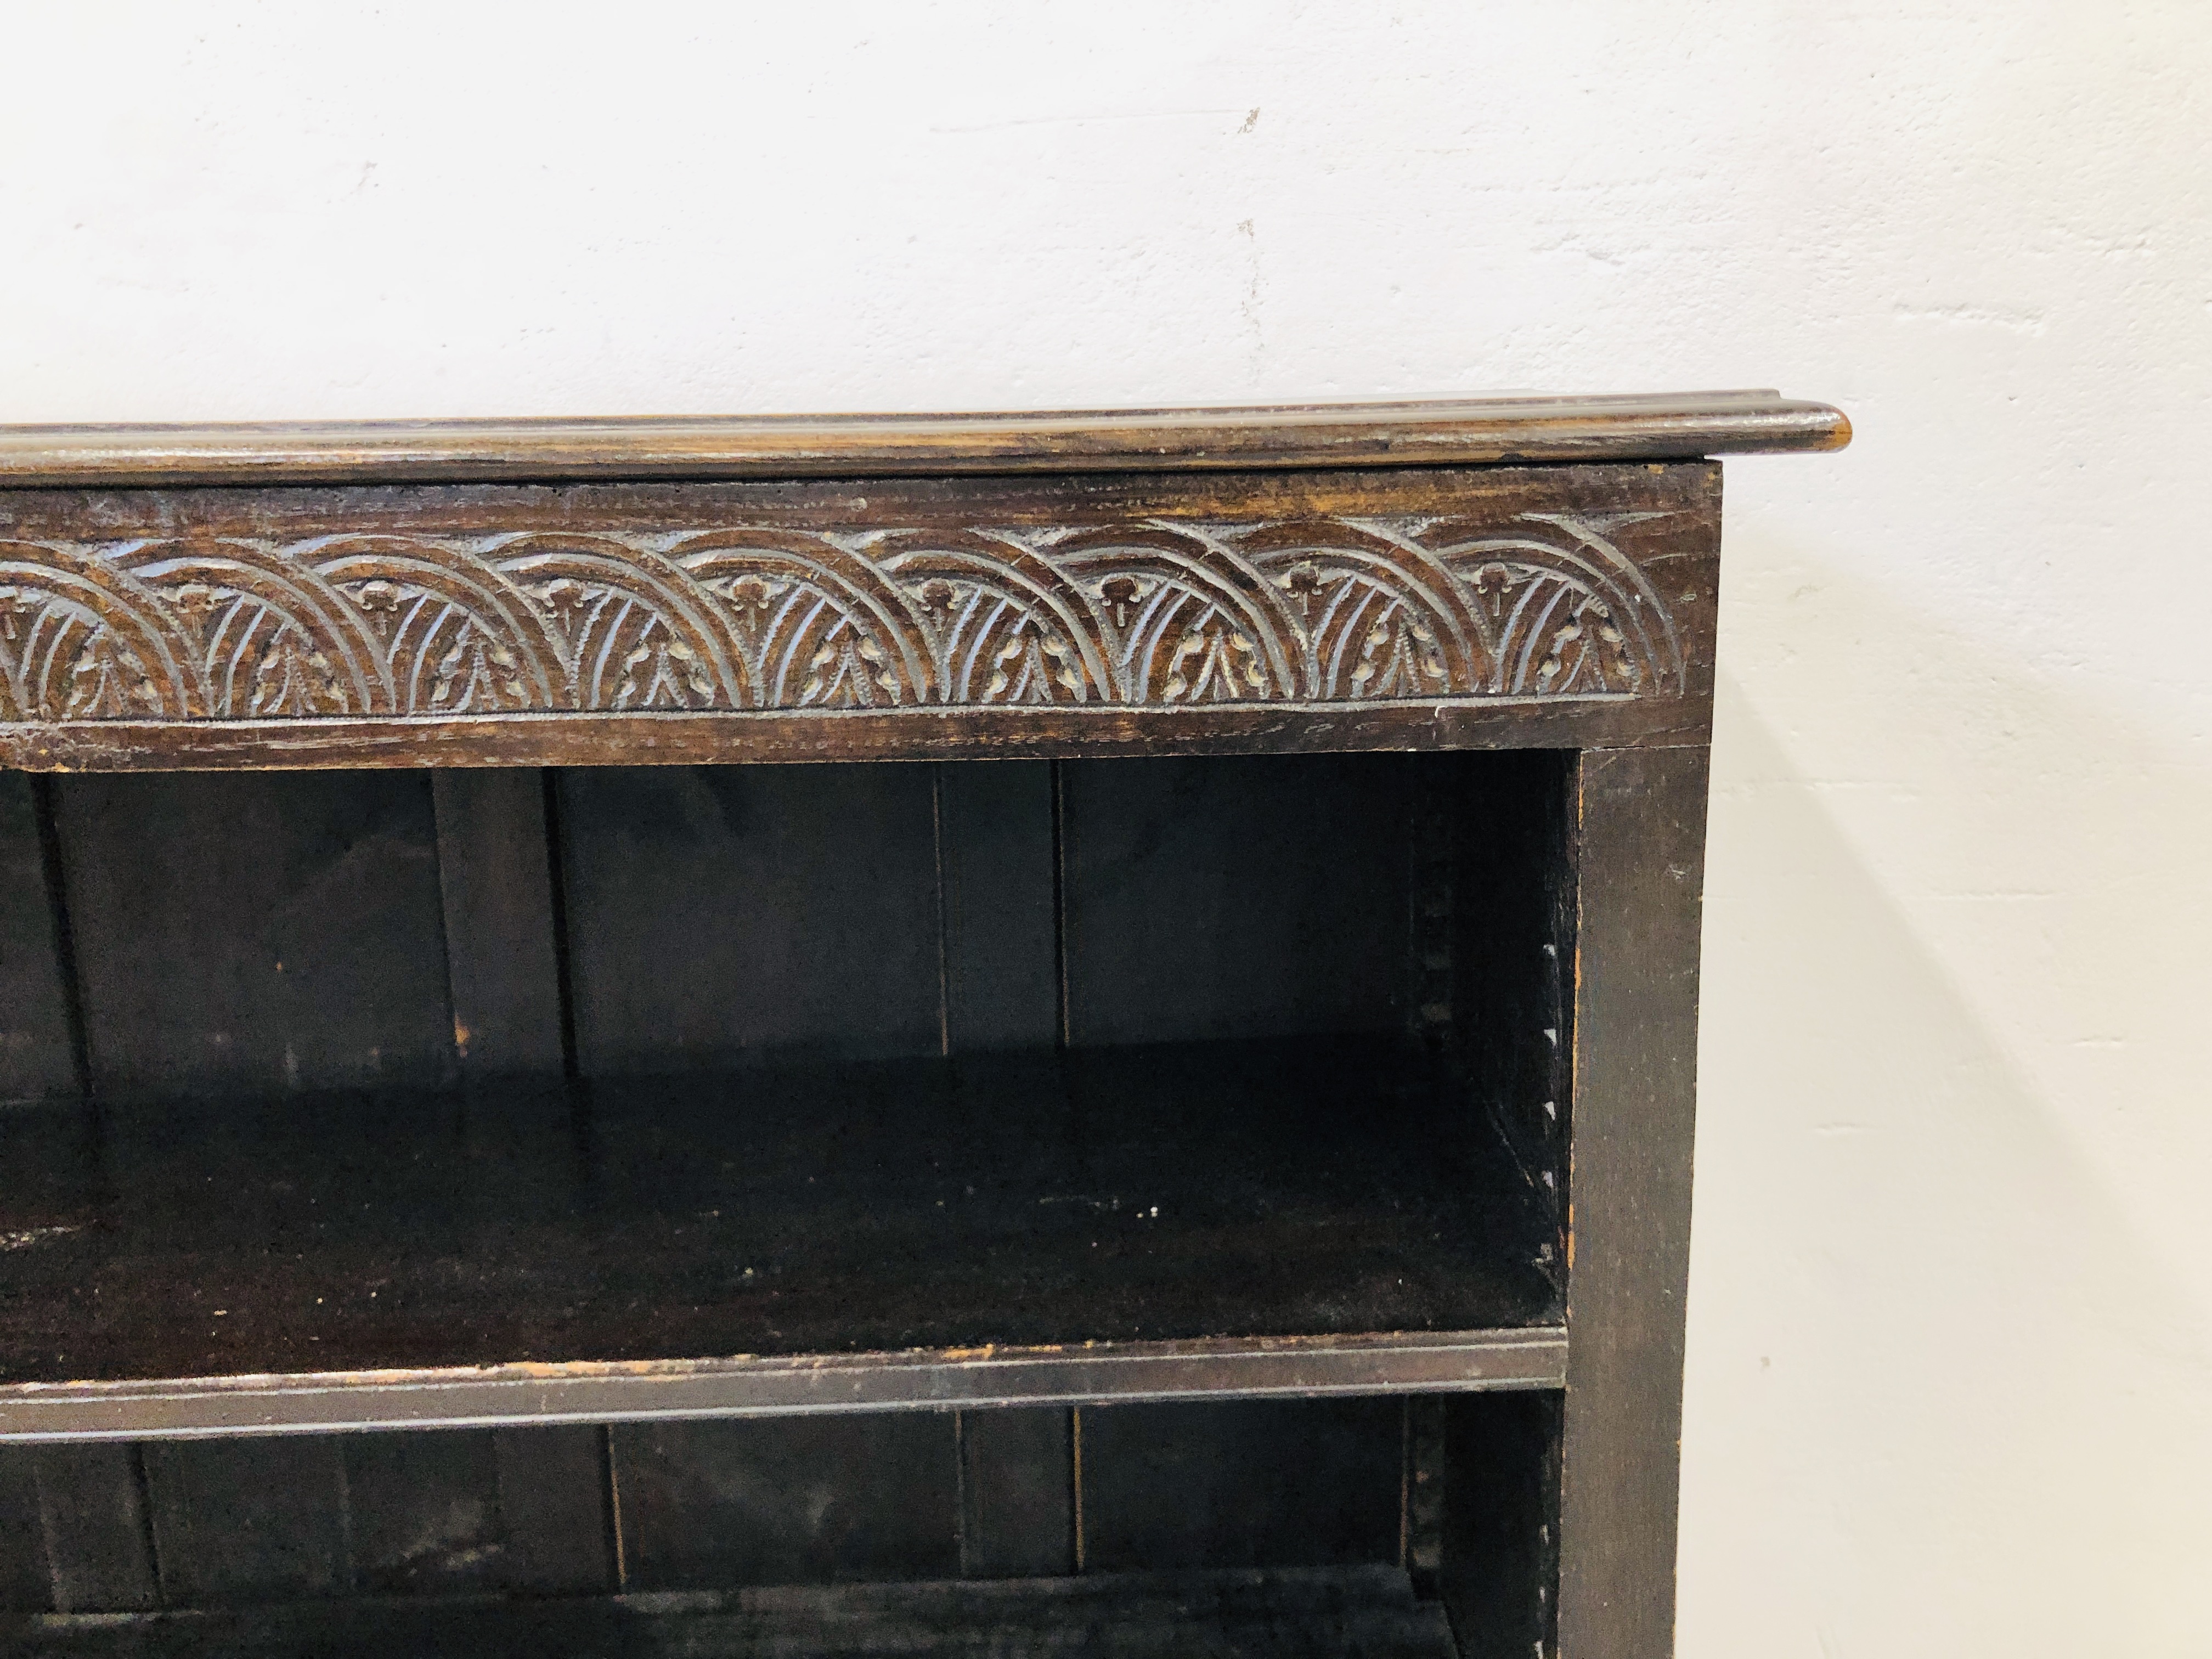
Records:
x=26, y=1580
x=994, y=825
x=1233, y=897
x=1246, y=1483
x=616, y=514
x=1498, y=1568
x=886, y=1129
x=1017, y=1493
x=1641, y=823
x=1512, y=897
x=1282, y=1188
x=92, y=1510
x=465, y=624
x=997, y=1376
x=37, y=1052
x=502, y=958
x=1461, y=430
x=732, y=916
x=713, y=1505
x=1365, y=1613
x=1427, y=1487
x=257, y=933
x=554, y=1501
x=245, y=1520
x=672, y=739
x=423, y=1516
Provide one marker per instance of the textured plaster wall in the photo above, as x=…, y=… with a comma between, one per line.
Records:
x=1950, y=1380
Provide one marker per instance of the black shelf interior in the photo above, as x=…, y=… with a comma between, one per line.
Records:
x=682, y=1063
x=342, y=1072
x=1262, y=1527
x=1156, y=1192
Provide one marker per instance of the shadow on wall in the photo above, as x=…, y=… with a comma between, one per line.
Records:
x=1926, y=1315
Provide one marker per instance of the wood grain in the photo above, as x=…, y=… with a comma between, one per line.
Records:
x=1458, y=431
x=1642, y=828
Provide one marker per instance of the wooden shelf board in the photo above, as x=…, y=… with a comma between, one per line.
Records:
x=1284, y=1613
x=789, y=1385
x=1290, y=1189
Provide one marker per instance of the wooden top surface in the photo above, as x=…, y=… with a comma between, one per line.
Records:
x=1469, y=431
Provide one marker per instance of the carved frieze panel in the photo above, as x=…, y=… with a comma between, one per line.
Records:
x=1152, y=612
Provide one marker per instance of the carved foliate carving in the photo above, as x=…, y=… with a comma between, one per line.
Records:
x=1153, y=614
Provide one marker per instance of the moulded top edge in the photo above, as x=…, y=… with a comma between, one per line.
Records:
x=1473, y=431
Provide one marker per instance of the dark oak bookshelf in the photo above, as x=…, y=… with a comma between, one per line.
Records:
x=1172, y=1133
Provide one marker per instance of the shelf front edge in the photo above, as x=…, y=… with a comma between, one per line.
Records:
x=687, y=739
x=754, y=1386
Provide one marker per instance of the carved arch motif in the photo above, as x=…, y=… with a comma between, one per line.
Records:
x=815, y=625
x=266, y=636
x=1572, y=618
x=1000, y=623
x=1186, y=617
x=81, y=638
x=453, y=637
x=1155, y=613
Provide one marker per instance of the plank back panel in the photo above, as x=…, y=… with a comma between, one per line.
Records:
x=1017, y=1493
x=92, y=1510
x=37, y=1050
x=998, y=857
x=787, y=1501
x=1244, y=1483
x=239, y=1522
x=422, y=1512
x=726, y=915
x=25, y=1579
x=268, y=930
x=496, y=881
x=554, y=1504
x=1252, y=895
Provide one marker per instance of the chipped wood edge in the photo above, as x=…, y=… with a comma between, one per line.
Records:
x=755, y=1386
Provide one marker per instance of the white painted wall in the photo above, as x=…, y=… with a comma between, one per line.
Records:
x=1950, y=1386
